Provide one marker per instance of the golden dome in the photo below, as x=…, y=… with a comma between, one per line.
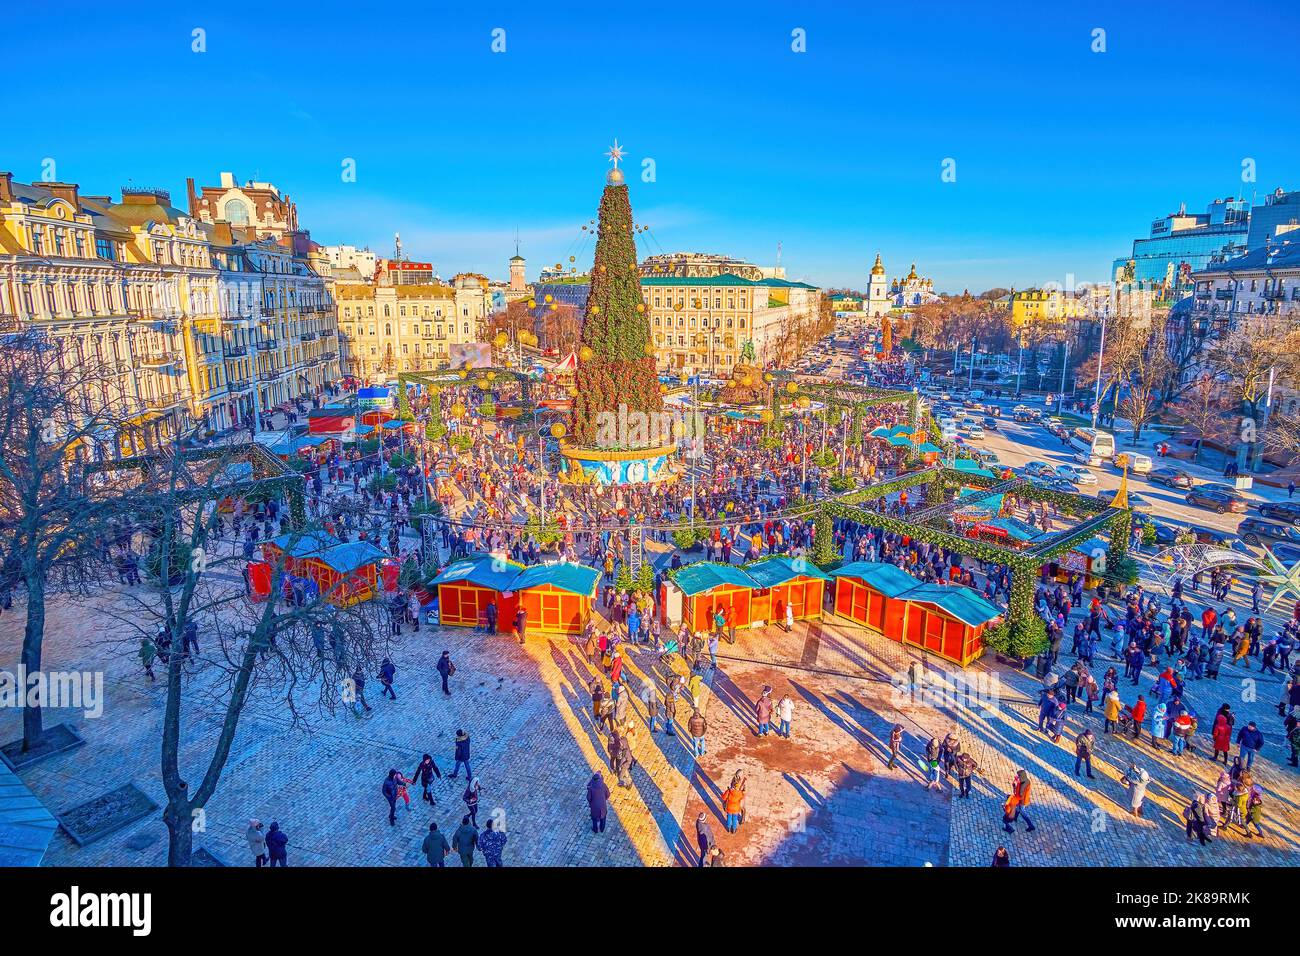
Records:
x=912, y=274
x=879, y=268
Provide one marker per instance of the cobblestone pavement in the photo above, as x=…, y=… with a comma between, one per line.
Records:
x=823, y=797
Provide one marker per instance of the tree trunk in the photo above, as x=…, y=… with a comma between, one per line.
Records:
x=180, y=833
x=33, y=637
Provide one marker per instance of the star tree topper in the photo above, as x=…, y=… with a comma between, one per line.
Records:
x=615, y=154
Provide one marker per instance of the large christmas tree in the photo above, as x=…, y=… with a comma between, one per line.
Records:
x=617, y=365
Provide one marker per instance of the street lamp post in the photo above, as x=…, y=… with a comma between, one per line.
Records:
x=1101, y=350
x=1065, y=360
x=970, y=377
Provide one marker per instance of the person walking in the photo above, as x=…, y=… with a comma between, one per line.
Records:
x=470, y=796
x=521, y=623
x=650, y=698
x=387, y=673
x=895, y=745
x=257, y=842
x=965, y=768
x=932, y=764
x=1194, y=816
x=1251, y=742
x=276, y=846
x=424, y=775
x=446, y=668
x=704, y=838
x=598, y=802
x=147, y=655
x=763, y=712
x=1017, y=802
x=1083, y=747
x=1136, y=779
x=784, y=714
x=464, y=840
x=389, y=790
x=733, y=805
x=697, y=726
x=359, y=692
x=492, y=841
x=670, y=709
x=462, y=755
x=435, y=847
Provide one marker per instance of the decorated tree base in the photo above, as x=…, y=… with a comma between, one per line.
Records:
x=602, y=466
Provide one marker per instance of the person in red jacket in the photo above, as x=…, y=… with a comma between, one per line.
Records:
x=1221, y=733
x=1208, y=617
x=1016, y=803
x=1139, y=714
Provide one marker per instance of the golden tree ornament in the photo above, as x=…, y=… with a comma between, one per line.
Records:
x=558, y=430
x=585, y=353
x=791, y=387
x=549, y=297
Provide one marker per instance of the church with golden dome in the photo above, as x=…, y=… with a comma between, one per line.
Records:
x=878, y=302
x=912, y=290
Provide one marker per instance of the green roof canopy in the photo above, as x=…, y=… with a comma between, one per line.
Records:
x=574, y=578
x=483, y=570
x=889, y=579
x=706, y=575
x=769, y=572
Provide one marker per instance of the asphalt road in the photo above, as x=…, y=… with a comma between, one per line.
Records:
x=1017, y=443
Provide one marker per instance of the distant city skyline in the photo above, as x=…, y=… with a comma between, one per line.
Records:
x=1063, y=156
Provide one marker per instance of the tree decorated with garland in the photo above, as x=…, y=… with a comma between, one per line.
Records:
x=617, y=365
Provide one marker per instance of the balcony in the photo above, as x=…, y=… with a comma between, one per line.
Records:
x=307, y=337
x=235, y=351
x=1223, y=294
x=165, y=403
x=160, y=359
x=270, y=375
x=268, y=310
x=267, y=345
x=239, y=384
x=1275, y=295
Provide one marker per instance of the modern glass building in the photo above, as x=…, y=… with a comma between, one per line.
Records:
x=1183, y=243
x=1280, y=209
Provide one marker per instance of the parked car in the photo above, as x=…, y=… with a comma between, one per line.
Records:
x=1037, y=468
x=1281, y=511
x=1258, y=531
x=991, y=423
x=1218, y=498
x=1170, y=478
x=1166, y=534
x=975, y=432
x=1220, y=539
x=1288, y=554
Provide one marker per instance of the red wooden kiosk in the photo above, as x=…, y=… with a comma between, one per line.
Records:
x=869, y=592
x=346, y=573
x=556, y=597
x=786, y=581
x=707, y=586
x=288, y=550
x=947, y=620
x=465, y=589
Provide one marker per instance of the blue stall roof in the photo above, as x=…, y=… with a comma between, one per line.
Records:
x=1015, y=528
x=963, y=603
x=706, y=575
x=889, y=579
x=574, y=578
x=971, y=467
x=346, y=558
x=307, y=543
x=769, y=572
x=26, y=826
x=484, y=571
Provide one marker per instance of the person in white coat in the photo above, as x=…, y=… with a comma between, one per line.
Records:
x=257, y=842
x=789, y=618
x=1137, y=780
x=784, y=714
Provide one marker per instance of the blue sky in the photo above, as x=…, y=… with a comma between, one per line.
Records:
x=1062, y=155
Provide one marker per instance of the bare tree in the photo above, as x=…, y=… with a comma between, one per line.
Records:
x=298, y=653
x=1204, y=409
x=1248, y=356
x=1140, y=367
x=56, y=526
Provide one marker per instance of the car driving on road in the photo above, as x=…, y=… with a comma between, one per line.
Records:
x=1170, y=478
x=1218, y=498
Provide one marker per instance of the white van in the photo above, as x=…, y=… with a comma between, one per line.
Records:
x=948, y=430
x=1138, y=464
